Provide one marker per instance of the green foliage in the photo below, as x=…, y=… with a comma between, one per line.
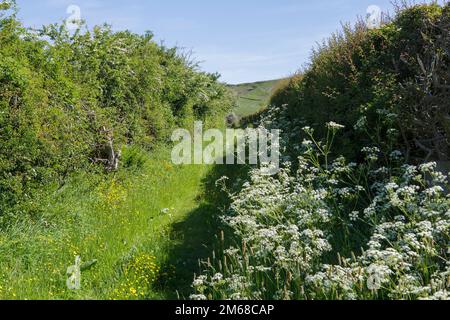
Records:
x=332, y=229
x=390, y=83
x=65, y=96
x=122, y=227
x=359, y=214
x=133, y=157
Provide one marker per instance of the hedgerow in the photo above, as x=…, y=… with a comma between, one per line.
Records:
x=359, y=209
x=389, y=81
x=71, y=101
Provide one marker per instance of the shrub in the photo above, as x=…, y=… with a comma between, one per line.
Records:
x=391, y=78
x=70, y=101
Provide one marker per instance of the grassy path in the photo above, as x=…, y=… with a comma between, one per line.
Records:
x=162, y=216
x=143, y=230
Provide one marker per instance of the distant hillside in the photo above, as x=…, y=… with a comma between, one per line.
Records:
x=252, y=97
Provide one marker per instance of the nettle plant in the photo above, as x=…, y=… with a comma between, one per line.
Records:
x=330, y=229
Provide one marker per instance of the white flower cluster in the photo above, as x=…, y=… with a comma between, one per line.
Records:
x=335, y=231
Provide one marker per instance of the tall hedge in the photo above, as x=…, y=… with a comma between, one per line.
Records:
x=389, y=86
x=65, y=96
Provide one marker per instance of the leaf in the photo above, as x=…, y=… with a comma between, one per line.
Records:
x=88, y=265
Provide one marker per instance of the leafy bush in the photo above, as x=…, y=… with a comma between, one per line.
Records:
x=133, y=158
x=69, y=101
x=390, y=82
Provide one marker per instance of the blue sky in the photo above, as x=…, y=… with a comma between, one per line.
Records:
x=244, y=40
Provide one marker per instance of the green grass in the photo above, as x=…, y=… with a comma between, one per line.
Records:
x=114, y=220
x=252, y=97
x=119, y=221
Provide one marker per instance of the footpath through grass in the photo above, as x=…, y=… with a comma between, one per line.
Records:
x=139, y=234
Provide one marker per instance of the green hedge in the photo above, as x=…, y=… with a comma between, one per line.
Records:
x=64, y=96
x=389, y=86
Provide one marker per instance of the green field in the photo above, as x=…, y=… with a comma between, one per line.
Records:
x=252, y=97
